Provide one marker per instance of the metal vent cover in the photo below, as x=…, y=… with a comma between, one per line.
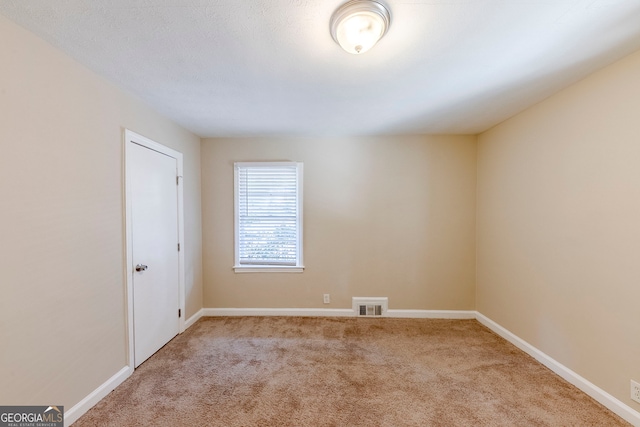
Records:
x=370, y=306
x=370, y=310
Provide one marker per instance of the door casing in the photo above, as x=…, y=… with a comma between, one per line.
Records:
x=131, y=137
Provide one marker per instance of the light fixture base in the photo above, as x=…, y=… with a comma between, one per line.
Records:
x=358, y=25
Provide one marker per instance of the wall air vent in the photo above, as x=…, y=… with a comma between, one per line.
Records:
x=370, y=306
x=370, y=310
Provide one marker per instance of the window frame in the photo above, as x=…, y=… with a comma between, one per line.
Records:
x=268, y=268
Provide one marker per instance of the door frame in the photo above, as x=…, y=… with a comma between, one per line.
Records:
x=131, y=137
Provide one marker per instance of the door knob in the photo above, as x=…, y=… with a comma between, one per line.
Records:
x=141, y=267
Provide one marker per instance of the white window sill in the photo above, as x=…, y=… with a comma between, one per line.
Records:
x=268, y=269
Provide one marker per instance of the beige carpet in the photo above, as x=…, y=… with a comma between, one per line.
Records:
x=275, y=371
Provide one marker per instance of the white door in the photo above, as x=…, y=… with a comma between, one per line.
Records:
x=154, y=235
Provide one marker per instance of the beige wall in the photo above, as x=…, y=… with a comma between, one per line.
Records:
x=62, y=307
x=383, y=216
x=559, y=226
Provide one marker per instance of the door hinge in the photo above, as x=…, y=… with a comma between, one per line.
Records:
x=178, y=247
x=177, y=180
x=179, y=312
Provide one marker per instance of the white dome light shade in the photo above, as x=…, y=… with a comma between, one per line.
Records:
x=358, y=25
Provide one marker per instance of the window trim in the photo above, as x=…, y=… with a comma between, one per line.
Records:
x=266, y=268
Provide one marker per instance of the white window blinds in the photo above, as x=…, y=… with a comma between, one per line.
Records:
x=268, y=214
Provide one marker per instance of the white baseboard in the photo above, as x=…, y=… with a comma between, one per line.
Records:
x=614, y=405
x=432, y=314
x=72, y=415
x=193, y=319
x=336, y=312
x=302, y=312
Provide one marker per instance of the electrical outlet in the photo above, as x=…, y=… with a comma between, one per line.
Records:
x=635, y=391
x=327, y=298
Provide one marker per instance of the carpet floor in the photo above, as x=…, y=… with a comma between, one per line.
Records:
x=277, y=371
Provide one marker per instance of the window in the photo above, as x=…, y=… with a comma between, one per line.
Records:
x=268, y=217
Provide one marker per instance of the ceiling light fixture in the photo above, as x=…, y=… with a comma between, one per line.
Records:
x=358, y=25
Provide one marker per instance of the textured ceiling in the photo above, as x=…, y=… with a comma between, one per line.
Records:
x=270, y=67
